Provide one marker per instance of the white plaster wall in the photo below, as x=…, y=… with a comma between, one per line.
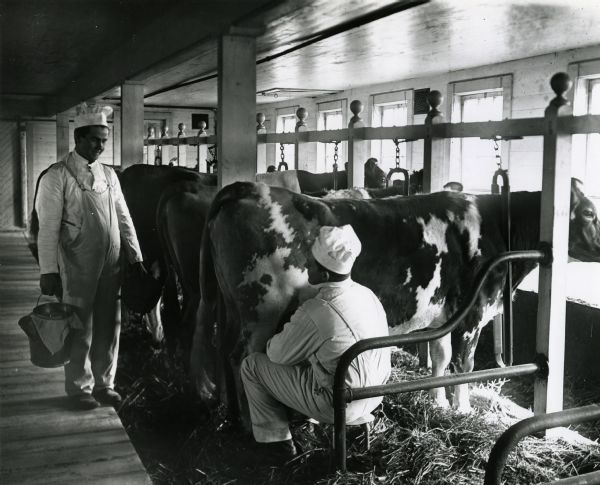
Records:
x=531, y=94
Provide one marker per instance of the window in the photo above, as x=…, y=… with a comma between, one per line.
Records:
x=286, y=123
x=331, y=119
x=389, y=114
x=473, y=161
x=585, y=161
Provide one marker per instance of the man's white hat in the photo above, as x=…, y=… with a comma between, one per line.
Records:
x=92, y=115
x=336, y=248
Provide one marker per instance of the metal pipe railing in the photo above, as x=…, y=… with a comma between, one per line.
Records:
x=342, y=395
x=510, y=438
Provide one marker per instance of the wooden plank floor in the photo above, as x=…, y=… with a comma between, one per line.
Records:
x=41, y=441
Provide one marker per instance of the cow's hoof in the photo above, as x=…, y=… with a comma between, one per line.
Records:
x=463, y=408
x=441, y=403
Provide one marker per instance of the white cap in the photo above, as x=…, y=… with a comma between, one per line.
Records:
x=336, y=248
x=92, y=115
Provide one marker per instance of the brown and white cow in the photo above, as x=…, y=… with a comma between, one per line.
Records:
x=420, y=256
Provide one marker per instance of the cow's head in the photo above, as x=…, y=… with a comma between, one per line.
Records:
x=374, y=176
x=584, y=229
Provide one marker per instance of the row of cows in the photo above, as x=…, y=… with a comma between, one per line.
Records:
x=248, y=246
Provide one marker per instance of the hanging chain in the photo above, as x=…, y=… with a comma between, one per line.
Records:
x=282, y=164
x=497, y=152
x=397, y=143
x=335, y=155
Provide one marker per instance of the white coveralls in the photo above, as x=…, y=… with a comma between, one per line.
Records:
x=83, y=218
x=297, y=370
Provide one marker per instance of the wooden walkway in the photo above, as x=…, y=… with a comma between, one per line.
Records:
x=41, y=441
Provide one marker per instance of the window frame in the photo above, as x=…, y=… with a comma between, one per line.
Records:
x=586, y=74
x=389, y=98
x=288, y=112
x=457, y=91
x=336, y=106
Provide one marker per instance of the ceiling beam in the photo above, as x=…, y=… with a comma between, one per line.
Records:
x=177, y=35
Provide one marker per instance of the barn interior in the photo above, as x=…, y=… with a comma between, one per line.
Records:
x=230, y=69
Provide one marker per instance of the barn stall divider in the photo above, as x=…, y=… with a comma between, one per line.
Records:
x=548, y=364
x=556, y=128
x=158, y=149
x=511, y=437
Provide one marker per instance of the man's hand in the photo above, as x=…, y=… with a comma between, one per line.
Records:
x=50, y=284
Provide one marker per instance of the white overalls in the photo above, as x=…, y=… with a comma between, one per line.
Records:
x=83, y=217
x=297, y=370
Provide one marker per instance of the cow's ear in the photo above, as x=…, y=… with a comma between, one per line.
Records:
x=576, y=194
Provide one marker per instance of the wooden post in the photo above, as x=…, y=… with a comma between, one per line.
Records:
x=23, y=174
x=181, y=148
x=301, y=149
x=116, y=137
x=236, y=137
x=149, y=149
x=164, y=151
x=433, y=156
x=132, y=123
x=62, y=135
x=554, y=230
x=261, y=148
x=433, y=148
x=202, y=150
x=357, y=148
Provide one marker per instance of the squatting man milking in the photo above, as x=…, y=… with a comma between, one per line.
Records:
x=298, y=368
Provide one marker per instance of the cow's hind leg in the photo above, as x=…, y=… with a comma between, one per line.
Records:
x=463, y=361
x=440, y=351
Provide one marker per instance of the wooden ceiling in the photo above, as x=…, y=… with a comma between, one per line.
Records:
x=56, y=53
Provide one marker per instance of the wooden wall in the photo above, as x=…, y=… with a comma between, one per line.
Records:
x=10, y=180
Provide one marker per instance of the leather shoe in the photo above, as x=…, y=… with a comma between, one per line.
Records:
x=83, y=402
x=109, y=397
x=276, y=453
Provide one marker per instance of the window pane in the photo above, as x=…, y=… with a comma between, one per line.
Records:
x=395, y=114
x=478, y=156
x=286, y=124
x=329, y=120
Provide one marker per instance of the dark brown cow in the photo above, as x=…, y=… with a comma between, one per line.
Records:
x=308, y=182
x=420, y=255
x=180, y=219
x=143, y=186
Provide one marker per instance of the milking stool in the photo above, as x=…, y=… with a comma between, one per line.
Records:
x=364, y=422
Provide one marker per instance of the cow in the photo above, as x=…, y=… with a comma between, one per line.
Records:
x=143, y=186
x=421, y=255
x=308, y=182
x=180, y=218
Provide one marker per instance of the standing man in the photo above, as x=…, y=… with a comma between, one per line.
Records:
x=83, y=220
x=298, y=368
